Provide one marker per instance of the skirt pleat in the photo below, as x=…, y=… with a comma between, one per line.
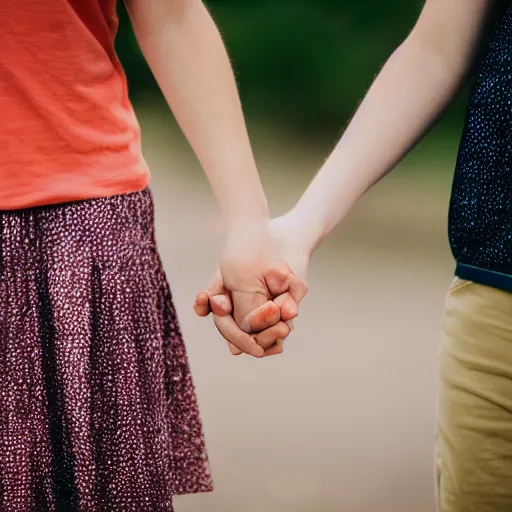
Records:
x=97, y=406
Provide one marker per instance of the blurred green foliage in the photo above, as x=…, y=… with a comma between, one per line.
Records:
x=304, y=63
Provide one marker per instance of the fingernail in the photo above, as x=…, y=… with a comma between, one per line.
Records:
x=220, y=300
x=290, y=324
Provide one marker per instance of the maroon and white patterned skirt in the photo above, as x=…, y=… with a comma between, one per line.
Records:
x=97, y=408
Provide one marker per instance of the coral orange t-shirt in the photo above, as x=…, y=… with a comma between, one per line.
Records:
x=67, y=128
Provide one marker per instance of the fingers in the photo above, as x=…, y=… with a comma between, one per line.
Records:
x=278, y=314
x=282, y=307
x=215, y=299
x=287, y=306
x=281, y=279
x=202, y=304
x=276, y=349
x=270, y=336
x=220, y=298
x=235, y=351
x=244, y=303
x=262, y=317
x=278, y=279
x=221, y=305
x=235, y=336
x=288, y=290
x=254, y=313
x=272, y=320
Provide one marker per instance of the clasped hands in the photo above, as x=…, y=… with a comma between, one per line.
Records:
x=255, y=294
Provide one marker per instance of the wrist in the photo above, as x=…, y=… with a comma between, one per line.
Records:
x=311, y=231
x=248, y=214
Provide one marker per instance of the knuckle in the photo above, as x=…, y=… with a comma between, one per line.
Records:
x=279, y=272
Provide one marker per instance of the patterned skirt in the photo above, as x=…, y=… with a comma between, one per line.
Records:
x=97, y=407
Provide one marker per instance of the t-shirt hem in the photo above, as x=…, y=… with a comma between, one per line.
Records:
x=93, y=190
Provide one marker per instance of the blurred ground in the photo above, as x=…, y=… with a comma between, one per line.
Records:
x=344, y=420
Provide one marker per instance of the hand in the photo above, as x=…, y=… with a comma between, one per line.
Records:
x=251, y=271
x=272, y=320
x=271, y=276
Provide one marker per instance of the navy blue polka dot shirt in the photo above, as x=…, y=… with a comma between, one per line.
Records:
x=480, y=219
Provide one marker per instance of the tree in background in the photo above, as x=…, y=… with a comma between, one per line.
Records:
x=308, y=62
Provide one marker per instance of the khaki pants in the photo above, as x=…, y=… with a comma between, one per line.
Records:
x=474, y=443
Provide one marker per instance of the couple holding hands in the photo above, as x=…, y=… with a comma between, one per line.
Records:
x=97, y=406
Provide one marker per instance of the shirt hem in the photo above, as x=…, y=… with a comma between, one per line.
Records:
x=86, y=191
x=484, y=276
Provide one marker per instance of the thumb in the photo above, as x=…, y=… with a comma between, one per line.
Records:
x=244, y=303
x=219, y=297
x=202, y=304
x=215, y=299
x=221, y=304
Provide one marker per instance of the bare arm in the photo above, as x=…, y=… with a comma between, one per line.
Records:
x=187, y=57
x=412, y=90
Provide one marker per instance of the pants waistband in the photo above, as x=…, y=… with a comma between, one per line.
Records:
x=484, y=276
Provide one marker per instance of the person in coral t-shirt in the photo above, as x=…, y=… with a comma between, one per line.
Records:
x=97, y=405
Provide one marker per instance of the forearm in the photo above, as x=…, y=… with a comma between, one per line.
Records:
x=186, y=54
x=412, y=90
